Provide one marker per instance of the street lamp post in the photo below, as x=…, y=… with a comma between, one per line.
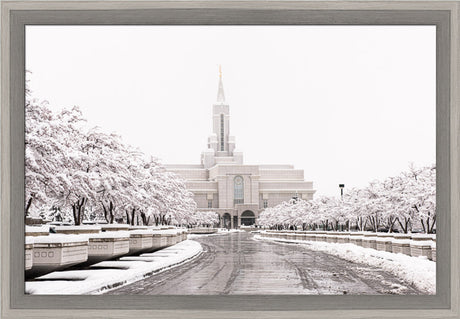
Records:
x=341, y=186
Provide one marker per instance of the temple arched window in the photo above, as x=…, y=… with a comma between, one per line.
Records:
x=238, y=187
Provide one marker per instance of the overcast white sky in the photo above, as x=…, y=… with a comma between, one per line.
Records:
x=348, y=104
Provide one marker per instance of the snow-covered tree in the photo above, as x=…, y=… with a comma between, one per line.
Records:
x=398, y=201
x=70, y=167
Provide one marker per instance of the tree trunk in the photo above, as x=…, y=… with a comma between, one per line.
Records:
x=432, y=225
x=127, y=217
x=406, y=224
x=78, y=210
x=423, y=225
x=133, y=212
x=29, y=202
x=108, y=212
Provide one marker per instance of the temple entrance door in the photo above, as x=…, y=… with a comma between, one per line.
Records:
x=248, y=218
x=227, y=221
x=235, y=221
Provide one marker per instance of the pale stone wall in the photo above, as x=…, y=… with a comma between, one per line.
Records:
x=281, y=174
x=277, y=198
x=201, y=186
x=285, y=185
x=191, y=174
x=201, y=200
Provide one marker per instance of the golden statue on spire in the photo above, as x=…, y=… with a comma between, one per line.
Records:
x=220, y=71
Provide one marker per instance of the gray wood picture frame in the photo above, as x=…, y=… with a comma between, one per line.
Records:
x=17, y=14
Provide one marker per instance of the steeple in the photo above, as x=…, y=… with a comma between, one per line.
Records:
x=221, y=145
x=220, y=92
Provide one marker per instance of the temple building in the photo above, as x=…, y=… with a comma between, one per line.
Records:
x=224, y=184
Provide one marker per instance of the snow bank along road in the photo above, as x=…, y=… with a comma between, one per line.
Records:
x=108, y=274
x=237, y=264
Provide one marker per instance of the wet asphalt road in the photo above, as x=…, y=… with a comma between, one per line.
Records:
x=237, y=264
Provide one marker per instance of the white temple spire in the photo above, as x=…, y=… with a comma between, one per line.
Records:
x=220, y=92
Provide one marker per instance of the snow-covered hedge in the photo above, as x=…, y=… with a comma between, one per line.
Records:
x=404, y=202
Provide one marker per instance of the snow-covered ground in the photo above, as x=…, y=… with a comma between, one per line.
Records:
x=418, y=271
x=106, y=275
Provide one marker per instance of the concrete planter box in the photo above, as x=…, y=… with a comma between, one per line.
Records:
x=51, y=253
x=369, y=243
x=28, y=253
x=421, y=248
x=384, y=244
x=76, y=230
x=320, y=237
x=37, y=230
x=291, y=236
x=107, y=246
x=343, y=239
x=114, y=227
x=331, y=238
x=357, y=238
x=140, y=240
x=170, y=239
x=401, y=246
x=369, y=240
x=299, y=236
x=357, y=241
x=282, y=235
x=159, y=241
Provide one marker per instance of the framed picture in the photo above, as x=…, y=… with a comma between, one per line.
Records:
x=343, y=95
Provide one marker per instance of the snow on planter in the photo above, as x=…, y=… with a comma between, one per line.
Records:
x=138, y=227
x=203, y=230
x=56, y=252
x=107, y=245
x=140, y=240
x=115, y=227
x=42, y=230
x=75, y=230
